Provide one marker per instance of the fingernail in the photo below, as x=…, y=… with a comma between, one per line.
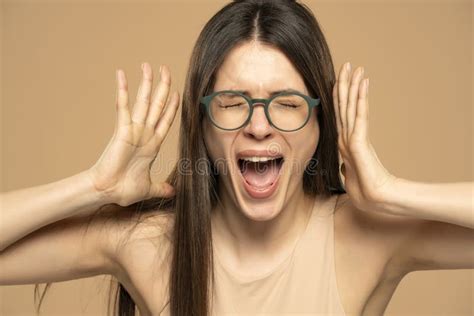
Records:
x=120, y=78
x=143, y=66
x=348, y=67
x=367, y=86
x=161, y=67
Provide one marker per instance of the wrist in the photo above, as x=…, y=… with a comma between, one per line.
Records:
x=388, y=200
x=98, y=195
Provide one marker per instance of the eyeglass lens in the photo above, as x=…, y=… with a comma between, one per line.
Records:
x=287, y=112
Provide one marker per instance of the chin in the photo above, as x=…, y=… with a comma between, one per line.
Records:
x=260, y=197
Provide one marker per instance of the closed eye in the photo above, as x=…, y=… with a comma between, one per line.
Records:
x=231, y=106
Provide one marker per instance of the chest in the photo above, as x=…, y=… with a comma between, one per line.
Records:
x=360, y=266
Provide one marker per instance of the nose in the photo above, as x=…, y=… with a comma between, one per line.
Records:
x=259, y=127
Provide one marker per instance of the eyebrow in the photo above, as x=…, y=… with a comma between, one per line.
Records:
x=289, y=90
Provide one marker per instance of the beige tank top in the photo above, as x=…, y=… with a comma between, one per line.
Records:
x=303, y=284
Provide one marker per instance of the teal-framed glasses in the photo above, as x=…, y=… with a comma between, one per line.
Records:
x=286, y=111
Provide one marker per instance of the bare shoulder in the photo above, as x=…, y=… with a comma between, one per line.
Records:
x=374, y=237
x=134, y=236
x=139, y=245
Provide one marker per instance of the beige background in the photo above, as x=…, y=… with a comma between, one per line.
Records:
x=58, y=89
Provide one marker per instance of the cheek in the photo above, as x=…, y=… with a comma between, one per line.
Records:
x=312, y=134
x=217, y=144
x=211, y=146
x=305, y=143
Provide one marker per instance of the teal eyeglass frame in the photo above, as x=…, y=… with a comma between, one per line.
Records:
x=312, y=102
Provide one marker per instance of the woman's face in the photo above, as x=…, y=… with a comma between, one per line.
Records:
x=260, y=189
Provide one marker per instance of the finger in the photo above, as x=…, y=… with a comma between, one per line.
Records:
x=162, y=190
x=352, y=99
x=159, y=97
x=336, y=106
x=342, y=96
x=142, y=102
x=338, y=117
x=121, y=102
x=361, y=124
x=168, y=116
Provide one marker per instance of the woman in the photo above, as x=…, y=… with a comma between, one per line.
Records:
x=253, y=199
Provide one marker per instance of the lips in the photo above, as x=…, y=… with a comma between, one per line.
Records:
x=258, y=153
x=260, y=171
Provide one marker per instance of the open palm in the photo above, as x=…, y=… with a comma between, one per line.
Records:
x=122, y=172
x=366, y=179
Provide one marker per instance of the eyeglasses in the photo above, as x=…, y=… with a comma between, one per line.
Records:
x=287, y=111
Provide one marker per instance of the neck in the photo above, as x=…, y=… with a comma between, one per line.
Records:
x=244, y=238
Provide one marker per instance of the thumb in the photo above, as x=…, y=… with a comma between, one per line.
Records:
x=162, y=189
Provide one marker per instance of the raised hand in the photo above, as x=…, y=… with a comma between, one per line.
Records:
x=122, y=172
x=366, y=179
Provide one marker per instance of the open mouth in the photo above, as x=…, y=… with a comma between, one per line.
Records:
x=260, y=174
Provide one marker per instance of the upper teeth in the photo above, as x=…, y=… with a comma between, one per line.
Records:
x=259, y=159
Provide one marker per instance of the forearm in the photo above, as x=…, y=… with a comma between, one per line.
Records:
x=444, y=202
x=26, y=210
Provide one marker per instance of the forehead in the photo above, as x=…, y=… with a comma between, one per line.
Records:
x=259, y=69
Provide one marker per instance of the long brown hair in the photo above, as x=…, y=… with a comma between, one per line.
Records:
x=292, y=28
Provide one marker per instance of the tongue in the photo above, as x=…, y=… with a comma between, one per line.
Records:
x=260, y=174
